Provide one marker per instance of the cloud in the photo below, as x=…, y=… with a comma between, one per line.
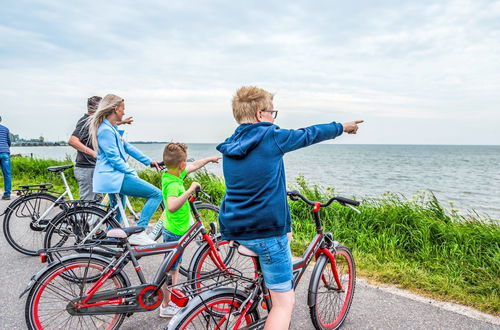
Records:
x=404, y=61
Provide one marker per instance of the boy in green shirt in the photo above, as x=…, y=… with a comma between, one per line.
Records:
x=177, y=214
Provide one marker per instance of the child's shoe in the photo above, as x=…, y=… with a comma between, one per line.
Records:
x=140, y=239
x=170, y=310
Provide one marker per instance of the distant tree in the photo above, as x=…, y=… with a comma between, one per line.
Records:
x=41, y=139
x=14, y=137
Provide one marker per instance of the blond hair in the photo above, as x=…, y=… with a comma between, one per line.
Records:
x=174, y=154
x=249, y=100
x=108, y=104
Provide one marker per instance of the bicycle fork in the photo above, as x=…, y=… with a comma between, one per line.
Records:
x=333, y=264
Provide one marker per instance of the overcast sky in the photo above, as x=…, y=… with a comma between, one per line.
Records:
x=418, y=72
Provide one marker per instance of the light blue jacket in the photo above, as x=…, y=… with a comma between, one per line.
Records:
x=111, y=165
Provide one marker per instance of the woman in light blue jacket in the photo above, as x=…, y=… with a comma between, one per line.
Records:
x=112, y=174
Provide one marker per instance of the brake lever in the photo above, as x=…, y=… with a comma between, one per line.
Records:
x=352, y=207
x=199, y=190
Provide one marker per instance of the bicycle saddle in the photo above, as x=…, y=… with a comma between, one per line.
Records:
x=59, y=168
x=124, y=232
x=243, y=250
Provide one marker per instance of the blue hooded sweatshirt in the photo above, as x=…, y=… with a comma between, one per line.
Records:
x=255, y=204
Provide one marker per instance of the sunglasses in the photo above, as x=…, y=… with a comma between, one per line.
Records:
x=274, y=113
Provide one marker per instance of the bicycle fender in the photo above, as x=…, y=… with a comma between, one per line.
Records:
x=315, y=278
x=199, y=251
x=53, y=264
x=172, y=325
x=12, y=204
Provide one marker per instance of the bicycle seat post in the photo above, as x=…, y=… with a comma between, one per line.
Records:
x=121, y=210
x=66, y=186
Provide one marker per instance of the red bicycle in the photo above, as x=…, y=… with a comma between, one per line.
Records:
x=330, y=294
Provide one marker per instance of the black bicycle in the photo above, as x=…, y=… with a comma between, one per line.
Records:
x=91, y=289
x=330, y=294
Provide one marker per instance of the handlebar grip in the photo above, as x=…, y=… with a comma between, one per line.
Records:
x=161, y=164
x=293, y=195
x=343, y=200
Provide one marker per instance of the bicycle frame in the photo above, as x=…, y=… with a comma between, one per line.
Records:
x=110, y=213
x=67, y=191
x=321, y=244
x=147, y=296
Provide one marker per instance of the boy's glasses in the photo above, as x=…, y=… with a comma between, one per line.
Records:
x=274, y=113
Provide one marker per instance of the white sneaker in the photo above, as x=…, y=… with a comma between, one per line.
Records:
x=140, y=239
x=170, y=310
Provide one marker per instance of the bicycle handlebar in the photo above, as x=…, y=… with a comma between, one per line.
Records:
x=294, y=195
x=161, y=164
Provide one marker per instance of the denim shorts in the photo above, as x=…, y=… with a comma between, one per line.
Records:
x=275, y=260
x=171, y=237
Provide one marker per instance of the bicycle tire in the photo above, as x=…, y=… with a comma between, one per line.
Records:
x=71, y=227
x=208, y=213
x=210, y=313
x=203, y=263
x=57, y=286
x=24, y=236
x=328, y=307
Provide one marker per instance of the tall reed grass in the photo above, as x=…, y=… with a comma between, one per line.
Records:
x=412, y=243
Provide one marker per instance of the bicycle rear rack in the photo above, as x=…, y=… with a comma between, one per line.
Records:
x=34, y=188
x=184, y=291
x=97, y=247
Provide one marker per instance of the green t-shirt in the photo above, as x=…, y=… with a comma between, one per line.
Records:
x=178, y=222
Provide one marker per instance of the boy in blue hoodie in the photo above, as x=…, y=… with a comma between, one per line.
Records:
x=254, y=210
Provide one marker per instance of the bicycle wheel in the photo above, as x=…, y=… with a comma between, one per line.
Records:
x=46, y=306
x=332, y=304
x=71, y=227
x=214, y=312
x=204, y=263
x=20, y=226
x=209, y=213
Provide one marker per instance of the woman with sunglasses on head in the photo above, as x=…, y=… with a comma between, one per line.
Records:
x=112, y=173
x=254, y=210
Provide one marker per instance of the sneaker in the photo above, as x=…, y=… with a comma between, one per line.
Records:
x=170, y=310
x=6, y=197
x=140, y=239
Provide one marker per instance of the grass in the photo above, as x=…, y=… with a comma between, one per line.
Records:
x=414, y=244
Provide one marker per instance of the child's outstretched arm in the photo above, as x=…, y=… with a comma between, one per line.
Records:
x=175, y=203
x=197, y=164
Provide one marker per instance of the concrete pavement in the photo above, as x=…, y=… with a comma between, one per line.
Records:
x=373, y=307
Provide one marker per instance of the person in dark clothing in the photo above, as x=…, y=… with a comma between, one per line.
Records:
x=254, y=210
x=86, y=156
x=5, y=160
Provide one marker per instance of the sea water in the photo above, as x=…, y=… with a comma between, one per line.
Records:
x=463, y=177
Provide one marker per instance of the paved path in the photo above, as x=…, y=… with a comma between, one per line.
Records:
x=373, y=307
